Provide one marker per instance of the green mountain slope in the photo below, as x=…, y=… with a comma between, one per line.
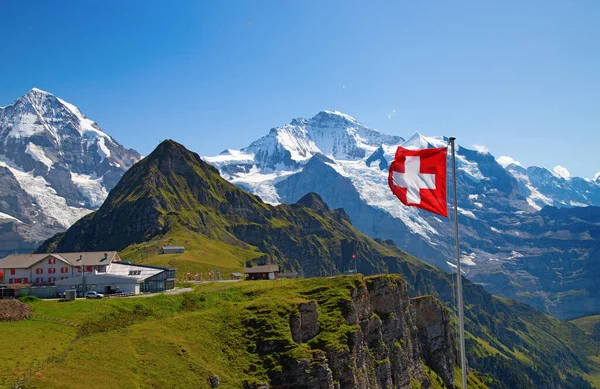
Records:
x=172, y=196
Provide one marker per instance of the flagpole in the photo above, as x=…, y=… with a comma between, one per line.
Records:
x=461, y=313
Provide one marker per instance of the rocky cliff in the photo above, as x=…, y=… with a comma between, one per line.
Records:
x=386, y=340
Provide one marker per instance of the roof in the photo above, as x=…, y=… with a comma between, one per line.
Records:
x=237, y=274
x=174, y=247
x=122, y=269
x=23, y=261
x=262, y=269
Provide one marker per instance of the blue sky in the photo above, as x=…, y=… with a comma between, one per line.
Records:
x=522, y=78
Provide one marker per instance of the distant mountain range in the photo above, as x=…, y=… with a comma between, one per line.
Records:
x=543, y=257
x=56, y=165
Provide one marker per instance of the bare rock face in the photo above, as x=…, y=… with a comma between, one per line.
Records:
x=305, y=323
x=394, y=337
x=312, y=373
x=435, y=336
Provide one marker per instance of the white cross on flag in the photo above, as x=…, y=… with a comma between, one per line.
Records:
x=418, y=179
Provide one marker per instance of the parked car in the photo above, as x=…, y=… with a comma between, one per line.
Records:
x=93, y=295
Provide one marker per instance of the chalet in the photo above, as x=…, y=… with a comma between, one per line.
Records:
x=236, y=276
x=99, y=271
x=48, y=268
x=172, y=250
x=264, y=272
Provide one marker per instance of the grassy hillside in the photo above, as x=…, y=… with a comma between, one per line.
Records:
x=587, y=324
x=176, y=341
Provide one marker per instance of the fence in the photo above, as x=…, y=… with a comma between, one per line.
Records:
x=44, y=292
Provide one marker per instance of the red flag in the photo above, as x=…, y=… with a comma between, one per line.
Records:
x=418, y=179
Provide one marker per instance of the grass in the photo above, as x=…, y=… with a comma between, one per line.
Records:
x=28, y=343
x=179, y=340
x=587, y=323
x=201, y=254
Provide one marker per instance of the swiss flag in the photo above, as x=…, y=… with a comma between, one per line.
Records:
x=418, y=179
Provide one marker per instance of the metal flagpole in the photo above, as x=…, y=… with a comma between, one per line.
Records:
x=461, y=313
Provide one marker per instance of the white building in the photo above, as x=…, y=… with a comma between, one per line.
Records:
x=49, y=268
x=99, y=271
x=122, y=277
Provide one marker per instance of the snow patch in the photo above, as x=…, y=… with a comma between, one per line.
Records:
x=495, y=230
x=102, y=149
x=515, y=254
x=468, y=259
x=473, y=197
x=91, y=188
x=577, y=204
x=467, y=213
x=6, y=218
x=536, y=198
x=37, y=153
x=471, y=168
x=54, y=206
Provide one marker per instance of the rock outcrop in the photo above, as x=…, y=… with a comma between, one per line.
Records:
x=305, y=325
x=390, y=339
x=435, y=337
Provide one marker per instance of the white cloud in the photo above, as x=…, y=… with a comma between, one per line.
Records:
x=392, y=114
x=505, y=161
x=481, y=149
x=562, y=172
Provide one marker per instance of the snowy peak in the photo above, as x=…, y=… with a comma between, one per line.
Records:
x=40, y=130
x=418, y=141
x=39, y=112
x=331, y=133
x=63, y=164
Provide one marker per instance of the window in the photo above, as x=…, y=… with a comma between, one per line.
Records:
x=39, y=280
x=11, y=281
x=135, y=272
x=79, y=269
x=39, y=271
x=25, y=280
x=17, y=280
x=51, y=261
x=63, y=278
x=12, y=272
x=52, y=270
x=89, y=268
x=64, y=269
x=51, y=279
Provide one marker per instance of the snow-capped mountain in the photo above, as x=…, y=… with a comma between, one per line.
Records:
x=56, y=166
x=347, y=163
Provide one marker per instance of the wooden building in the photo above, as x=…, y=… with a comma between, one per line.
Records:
x=264, y=272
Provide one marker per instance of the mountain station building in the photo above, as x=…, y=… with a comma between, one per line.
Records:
x=263, y=272
x=103, y=272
